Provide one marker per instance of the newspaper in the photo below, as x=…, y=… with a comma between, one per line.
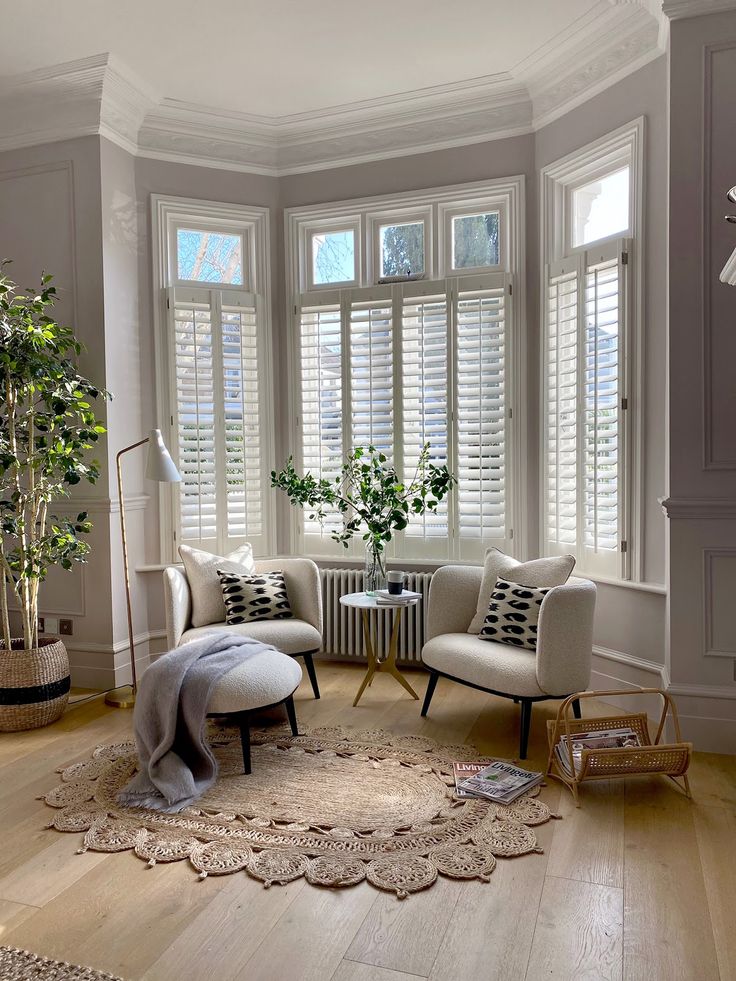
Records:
x=601, y=739
x=462, y=771
x=501, y=782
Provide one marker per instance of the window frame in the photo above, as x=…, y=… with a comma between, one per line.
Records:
x=506, y=195
x=470, y=210
x=558, y=180
x=375, y=221
x=253, y=224
x=327, y=226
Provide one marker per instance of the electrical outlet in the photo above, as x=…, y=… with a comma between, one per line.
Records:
x=41, y=625
x=66, y=628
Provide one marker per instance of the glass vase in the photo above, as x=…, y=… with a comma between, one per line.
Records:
x=374, y=576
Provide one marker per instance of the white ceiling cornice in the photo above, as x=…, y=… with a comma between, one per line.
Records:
x=678, y=9
x=100, y=95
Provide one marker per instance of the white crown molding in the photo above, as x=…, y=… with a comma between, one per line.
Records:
x=699, y=507
x=679, y=9
x=98, y=95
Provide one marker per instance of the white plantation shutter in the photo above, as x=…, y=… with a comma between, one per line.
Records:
x=396, y=367
x=562, y=407
x=585, y=416
x=321, y=407
x=217, y=417
x=480, y=415
x=424, y=404
x=372, y=371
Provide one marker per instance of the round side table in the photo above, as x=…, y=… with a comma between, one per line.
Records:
x=365, y=604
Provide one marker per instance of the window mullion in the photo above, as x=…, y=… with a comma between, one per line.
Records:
x=580, y=416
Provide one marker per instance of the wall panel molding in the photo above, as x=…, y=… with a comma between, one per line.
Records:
x=713, y=558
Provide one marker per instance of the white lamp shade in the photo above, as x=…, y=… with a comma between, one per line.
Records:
x=159, y=465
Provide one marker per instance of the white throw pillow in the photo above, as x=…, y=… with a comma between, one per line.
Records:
x=551, y=571
x=513, y=615
x=204, y=583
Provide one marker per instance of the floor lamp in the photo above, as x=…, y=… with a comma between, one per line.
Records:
x=162, y=468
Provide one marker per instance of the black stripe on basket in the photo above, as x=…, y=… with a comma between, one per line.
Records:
x=35, y=693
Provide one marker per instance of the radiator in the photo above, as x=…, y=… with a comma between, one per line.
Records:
x=343, y=629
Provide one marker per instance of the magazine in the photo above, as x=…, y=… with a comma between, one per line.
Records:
x=462, y=771
x=501, y=782
x=405, y=598
x=601, y=739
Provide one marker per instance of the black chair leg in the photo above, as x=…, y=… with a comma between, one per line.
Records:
x=291, y=712
x=576, y=709
x=244, y=724
x=526, y=719
x=309, y=664
x=431, y=685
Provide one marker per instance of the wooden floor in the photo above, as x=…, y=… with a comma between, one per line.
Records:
x=640, y=883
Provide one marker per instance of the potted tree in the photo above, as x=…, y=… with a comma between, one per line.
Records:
x=47, y=427
x=371, y=498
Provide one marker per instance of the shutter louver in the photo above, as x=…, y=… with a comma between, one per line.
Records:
x=424, y=356
x=371, y=374
x=321, y=402
x=480, y=351
x=195, y=421
x=562, y=409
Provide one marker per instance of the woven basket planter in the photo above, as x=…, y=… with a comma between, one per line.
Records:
x=34, y=685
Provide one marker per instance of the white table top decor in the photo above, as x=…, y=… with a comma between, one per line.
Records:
x=363, y=601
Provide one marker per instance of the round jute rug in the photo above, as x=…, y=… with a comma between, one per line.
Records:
x=335, y=805
x=22, y=965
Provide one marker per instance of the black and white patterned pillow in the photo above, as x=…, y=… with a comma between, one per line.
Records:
x=254, y=597
x=513, y=614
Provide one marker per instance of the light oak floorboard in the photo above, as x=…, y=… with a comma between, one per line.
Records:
x=579, y=932
x=715, y=828
x=12, y=915
x=352, y=971
x=668, y=933
x=48, y=872
x=308, y=942
x=588, y=844
x=406, y=936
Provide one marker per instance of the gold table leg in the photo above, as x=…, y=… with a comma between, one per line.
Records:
x=389, y=665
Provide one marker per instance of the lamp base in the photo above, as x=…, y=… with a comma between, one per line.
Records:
x=122, y=698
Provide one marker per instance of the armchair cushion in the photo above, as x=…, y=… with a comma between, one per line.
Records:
x=289, y=636
x=261, y=596
x=488, y=664
x=513, y=614
x=551, y=571
x=201, y=571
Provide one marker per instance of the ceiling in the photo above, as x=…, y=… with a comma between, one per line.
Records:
x=280, y=57
x=285, y=85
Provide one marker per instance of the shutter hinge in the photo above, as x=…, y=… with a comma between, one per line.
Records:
x=624, y=404
x=624, y=258
x=296, y=309
x=511, y=534
x=172, y=420
x=624, y=547
x=511, y=413
x=168, y=303
x=511, y=289
x=174, y=536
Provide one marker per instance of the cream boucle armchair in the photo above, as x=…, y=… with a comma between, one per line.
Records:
x=299, y=636
x=560, y=666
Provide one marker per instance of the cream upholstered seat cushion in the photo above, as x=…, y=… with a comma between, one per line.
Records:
x=201, y=568
x=289, y=636
x=511, y=670
x=551, y=571
x=264, y=679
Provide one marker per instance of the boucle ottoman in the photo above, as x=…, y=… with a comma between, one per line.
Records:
x=263, y=681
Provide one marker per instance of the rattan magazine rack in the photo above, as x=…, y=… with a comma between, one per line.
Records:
x=651, y=756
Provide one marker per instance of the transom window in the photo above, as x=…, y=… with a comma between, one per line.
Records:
x=208, y=256
x=415, y=351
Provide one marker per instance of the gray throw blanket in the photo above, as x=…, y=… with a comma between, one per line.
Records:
x=176, y=766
